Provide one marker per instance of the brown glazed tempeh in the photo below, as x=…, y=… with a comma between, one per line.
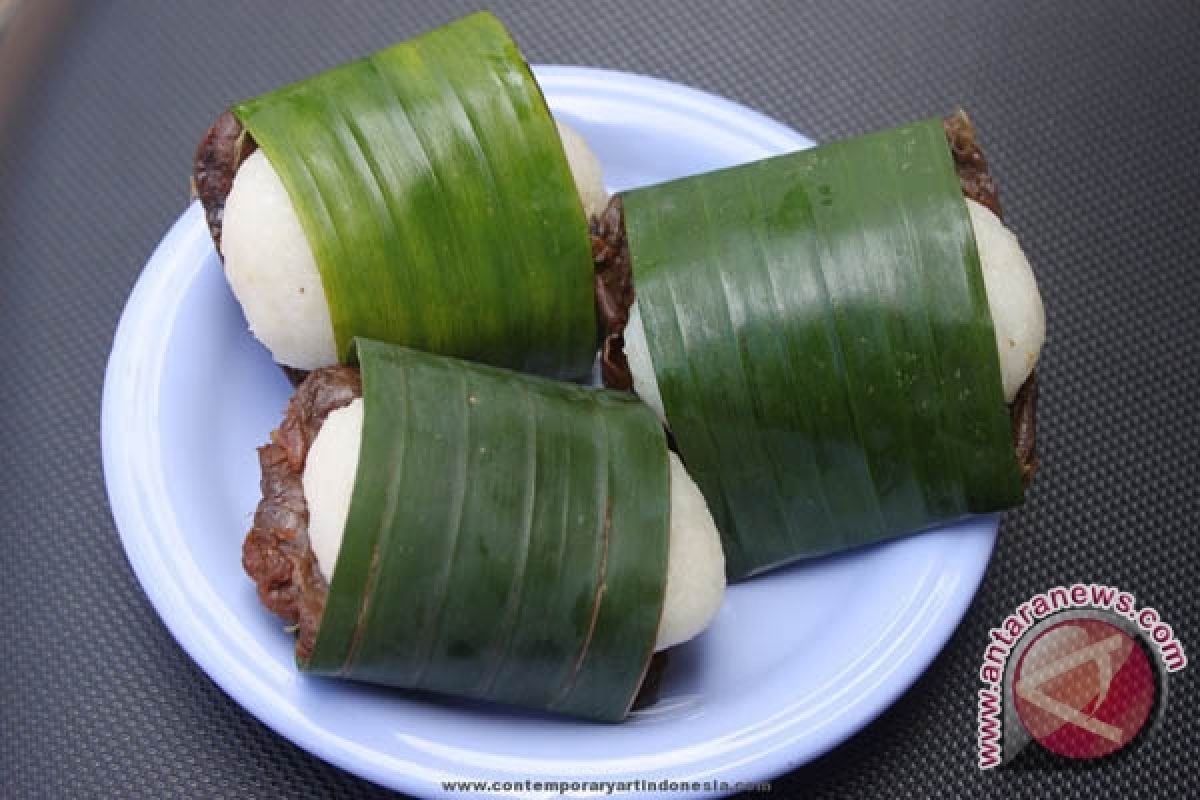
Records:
x=276, y=553
x=222, y=150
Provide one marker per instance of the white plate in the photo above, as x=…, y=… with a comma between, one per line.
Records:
x=796, y=661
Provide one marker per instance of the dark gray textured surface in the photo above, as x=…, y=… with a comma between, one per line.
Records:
x=1089, y=114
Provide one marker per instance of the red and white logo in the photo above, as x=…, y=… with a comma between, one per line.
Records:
x=1084, y=688
x=1080, y=670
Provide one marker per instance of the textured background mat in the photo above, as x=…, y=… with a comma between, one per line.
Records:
x=1089, y=113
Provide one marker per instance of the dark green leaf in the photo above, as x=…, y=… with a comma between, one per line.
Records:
x=823, y=345
x=432, y=185
x=507, y=538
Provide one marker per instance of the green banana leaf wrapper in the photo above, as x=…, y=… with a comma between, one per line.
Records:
x=506, y=540
x=822, y=341
x=433, y=188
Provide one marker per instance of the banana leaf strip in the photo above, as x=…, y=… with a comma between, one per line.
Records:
x=506, y=541
x=433, y=188
x=821, y=337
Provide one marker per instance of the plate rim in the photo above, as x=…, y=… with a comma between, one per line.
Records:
x=129, y=511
